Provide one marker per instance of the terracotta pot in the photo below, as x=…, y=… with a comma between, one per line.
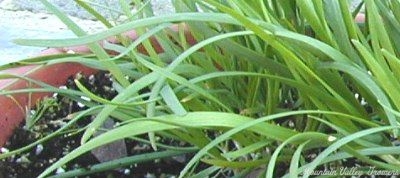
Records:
x=13, y=110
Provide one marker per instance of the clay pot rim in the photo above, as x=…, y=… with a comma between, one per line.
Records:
x=12, y=114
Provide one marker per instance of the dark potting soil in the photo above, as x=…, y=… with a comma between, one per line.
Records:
x=40, y=157
x=35, y=161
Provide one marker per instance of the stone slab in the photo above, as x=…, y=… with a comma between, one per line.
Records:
x=108, y=8
x=25, y=24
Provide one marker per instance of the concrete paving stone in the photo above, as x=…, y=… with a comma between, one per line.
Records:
x=29, y=19
x=15, y=23
x=355, y=3
x=162, y=7
x=28, y=25
x=108, y=8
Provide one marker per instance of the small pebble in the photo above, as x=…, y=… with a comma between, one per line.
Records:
x=39, y=149
x=81, y=105
x=85, y=98
x=181, y=158
x=22, y=159
x=71, y=52
x=60, y=170
x=291, y=124
x=127, y=171
x=4, y=150
x=91, y=80
x=363, y=102
x=312, y=156
x=331, y=138
x=149, y=175
x=33, y=112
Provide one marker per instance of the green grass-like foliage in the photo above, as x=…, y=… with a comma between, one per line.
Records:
x=273, y=81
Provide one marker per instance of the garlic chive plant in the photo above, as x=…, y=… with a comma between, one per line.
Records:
x=268, y=89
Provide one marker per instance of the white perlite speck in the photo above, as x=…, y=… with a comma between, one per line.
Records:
x=331, y=138
x=39, y=149
x=60, y=170
x=4, y=150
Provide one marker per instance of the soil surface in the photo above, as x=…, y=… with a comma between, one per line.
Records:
x=35, y=161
